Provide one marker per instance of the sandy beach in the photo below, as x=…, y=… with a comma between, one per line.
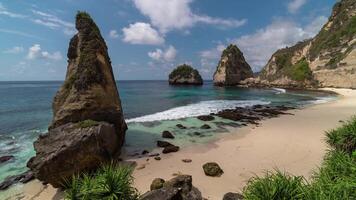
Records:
x=294, y=143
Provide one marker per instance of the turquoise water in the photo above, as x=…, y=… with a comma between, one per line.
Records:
x=149, y=108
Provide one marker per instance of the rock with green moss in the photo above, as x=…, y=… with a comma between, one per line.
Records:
x=232, y=67
x=185, y=75
x=88, y=98
x=327, y=60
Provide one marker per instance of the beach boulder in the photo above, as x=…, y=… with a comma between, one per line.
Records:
x=212, y=169
x=232, y=67
x=185, y=75
x=157, y=184
x=88, y=126
x=233, y=196
x=73, y=148
x=167, y=134
x=180, y=187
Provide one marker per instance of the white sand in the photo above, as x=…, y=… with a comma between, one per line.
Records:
x=294, y=143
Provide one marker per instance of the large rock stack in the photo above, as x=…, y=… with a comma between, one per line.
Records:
x=232, y=67
x=88, y=126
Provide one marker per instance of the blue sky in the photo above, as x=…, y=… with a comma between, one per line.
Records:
x=148, y=38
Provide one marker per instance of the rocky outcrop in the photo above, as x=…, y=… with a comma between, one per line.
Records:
x=88, y=126
x=232, y=67
x=180, y=187
x=185, y=75
x=327, y=60
x=212, y=169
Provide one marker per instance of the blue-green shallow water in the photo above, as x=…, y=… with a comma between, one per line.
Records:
x=149, y=107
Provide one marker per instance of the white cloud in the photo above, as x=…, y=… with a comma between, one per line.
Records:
x=53, y=22
x=142, y=33
x=258, y=47
x=35, y=52
x=113, y=34
x=14, y=50
x=167, y=55
x=177, y=14
x=4, y=11
x=295, y=5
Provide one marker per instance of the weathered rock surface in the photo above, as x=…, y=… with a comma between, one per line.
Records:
x=163, y=144
x=327, y=60
x=89, y=91
x=185, y=75
x=88, y=126
x=232, y=67
x=178, y=188
x=233, y=196
x=21, y=178
x=157, y=183
x=170, y=149
x=212, y=169
x=71, y=149
x=205, y=126
x=206, y=118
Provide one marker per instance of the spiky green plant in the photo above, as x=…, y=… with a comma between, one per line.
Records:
x=275, y=186
x=344, y=137
x=111, y=182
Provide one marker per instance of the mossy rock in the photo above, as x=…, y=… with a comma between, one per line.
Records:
x=212, y=169
x=87, y=123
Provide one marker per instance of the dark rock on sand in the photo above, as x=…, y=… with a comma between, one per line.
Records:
x=206, y=118
x=205, y=126
x=187, y=160
x=178, y=188
x=233, y=196
x=212, y=169
x=21, y=178
x=167, y=134
x=170, y=149
x=144, y=152
x=163, y=144
x=157, y=184
x=157, y=158
x=6, y=158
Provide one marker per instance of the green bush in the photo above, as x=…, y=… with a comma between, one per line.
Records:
x=300, y=71
x=110, y=182
x=336, y=178
x=344, y=137
x=274, y=186
x=87, y=123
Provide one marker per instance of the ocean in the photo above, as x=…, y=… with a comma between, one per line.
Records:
x=149, y=108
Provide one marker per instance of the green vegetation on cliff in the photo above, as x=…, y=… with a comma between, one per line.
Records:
x=231, y=49
x=334, y=180
x=185, y=71
x=340, y=29
x=300, y=71
x=87, y=123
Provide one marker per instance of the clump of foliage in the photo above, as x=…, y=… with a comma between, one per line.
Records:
x=87, y=123
x=335, y=179
x=110, y=182
x=231, y=49
x=276, y=185
x=344, y=137
x=185, y=71
x=300, y=71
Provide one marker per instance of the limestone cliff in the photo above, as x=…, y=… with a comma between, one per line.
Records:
x=88, y=126
x=327, y=60
x=185, y=75
x=232, y=67
x=89, y=91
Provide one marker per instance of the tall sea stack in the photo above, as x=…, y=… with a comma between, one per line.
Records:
x=88, y=126
x=232, y=67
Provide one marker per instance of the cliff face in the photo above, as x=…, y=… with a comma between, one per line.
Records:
x=89, y=91
x=185, y=75
x=327, y=60
x=232, y=67
x=88, y=126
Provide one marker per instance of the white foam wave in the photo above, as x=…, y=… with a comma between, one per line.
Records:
x=320, y=100
x=197, y=109
x=280, y=90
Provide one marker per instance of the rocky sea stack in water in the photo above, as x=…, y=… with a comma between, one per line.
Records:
x=185, y=75
x=88, y=126
x=232, y=67
x=327, y=60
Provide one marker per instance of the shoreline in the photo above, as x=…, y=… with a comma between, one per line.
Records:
x=293, y=143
